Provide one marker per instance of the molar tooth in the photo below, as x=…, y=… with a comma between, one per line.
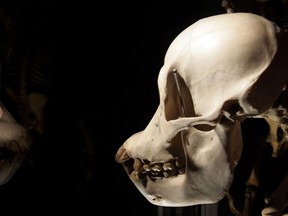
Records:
x=179, y=163
x=166, y=174
x=181, y=170
x=169, y=173
x=157, y=167
x=154, y=173
x=155, y=176
x=169, y=166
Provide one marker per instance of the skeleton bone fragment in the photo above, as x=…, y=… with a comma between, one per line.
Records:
x=14, y=145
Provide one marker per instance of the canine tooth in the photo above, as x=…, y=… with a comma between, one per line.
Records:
x=137, y=165
x=138, y=175
x=134, y=175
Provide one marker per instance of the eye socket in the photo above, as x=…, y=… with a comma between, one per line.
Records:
x=179, y=102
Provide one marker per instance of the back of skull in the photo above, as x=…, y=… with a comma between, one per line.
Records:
x=221, y=57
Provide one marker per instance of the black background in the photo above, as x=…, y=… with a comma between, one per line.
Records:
x=104, y=62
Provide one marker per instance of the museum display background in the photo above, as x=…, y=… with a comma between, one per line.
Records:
x=104, y=61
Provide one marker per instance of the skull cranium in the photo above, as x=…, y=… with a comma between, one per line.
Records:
x=217, y=72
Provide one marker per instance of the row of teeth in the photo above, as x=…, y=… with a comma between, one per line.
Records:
x=156, y=171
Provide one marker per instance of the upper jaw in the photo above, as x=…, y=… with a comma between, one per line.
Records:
x=182, y=180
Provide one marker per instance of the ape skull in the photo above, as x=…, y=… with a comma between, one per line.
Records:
x=217, y=72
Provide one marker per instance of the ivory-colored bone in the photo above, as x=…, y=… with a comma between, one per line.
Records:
x=217, y=72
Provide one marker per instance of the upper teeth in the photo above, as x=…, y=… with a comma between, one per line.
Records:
x=157, y=170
